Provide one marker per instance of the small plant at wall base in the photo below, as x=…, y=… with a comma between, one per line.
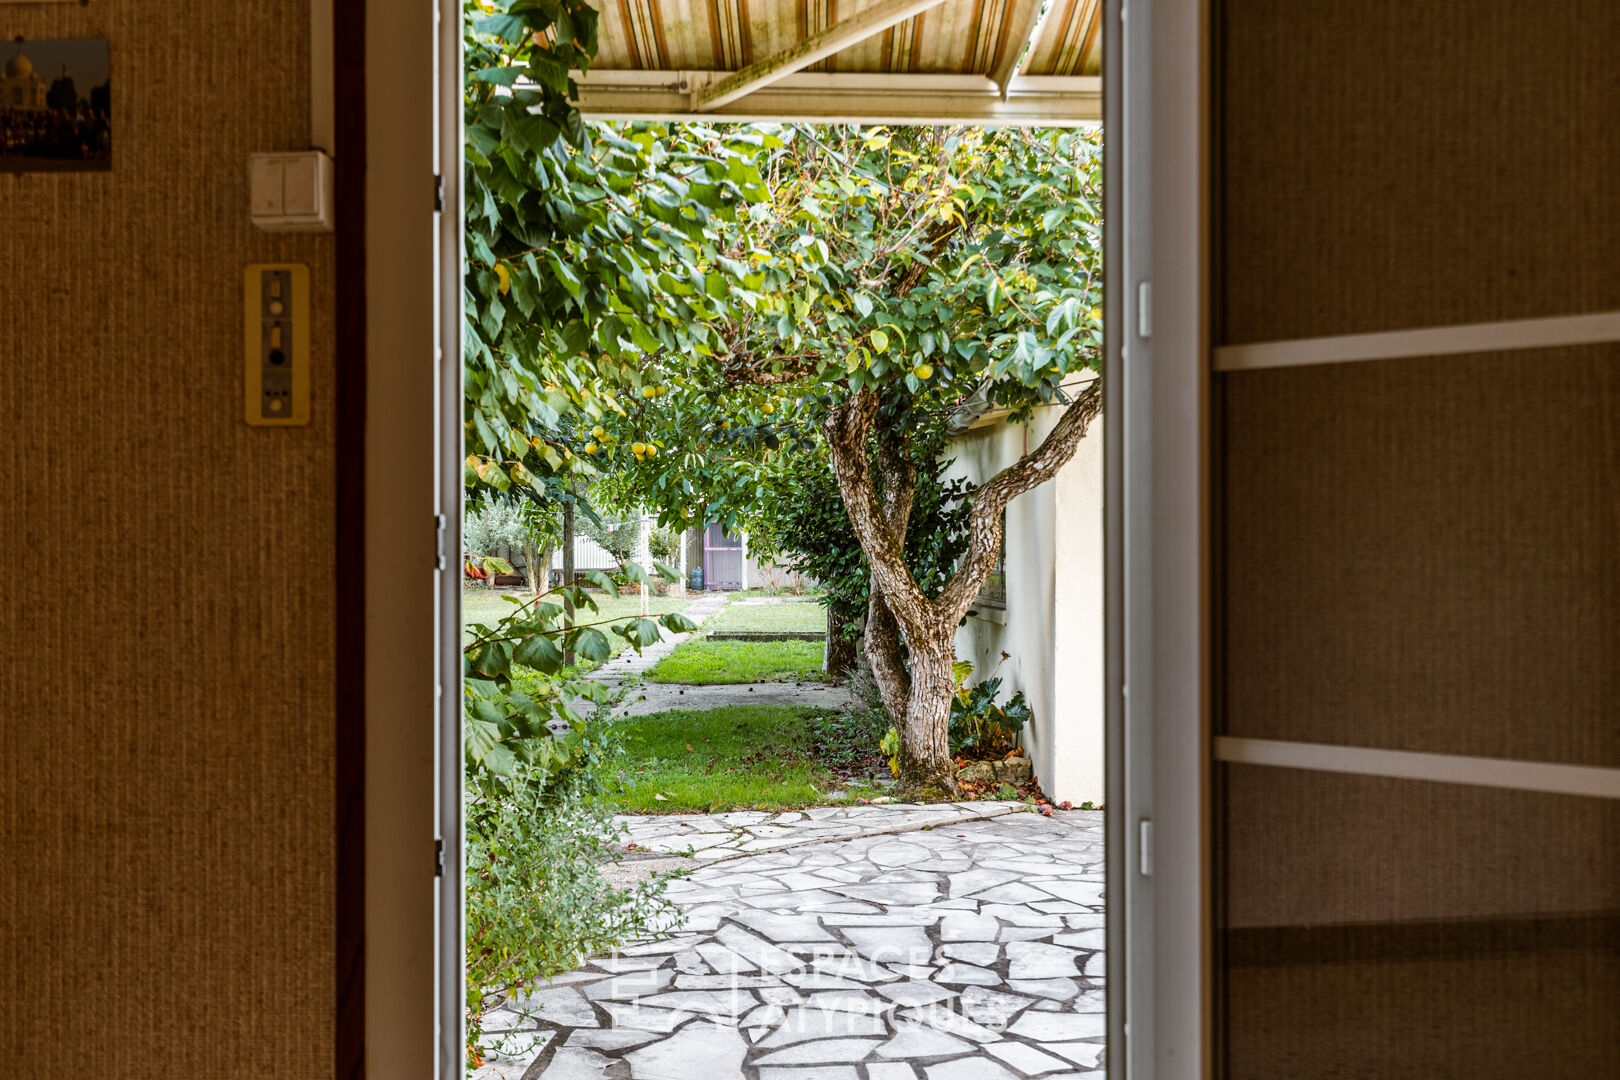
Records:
x=979, y=727
x=538, y=828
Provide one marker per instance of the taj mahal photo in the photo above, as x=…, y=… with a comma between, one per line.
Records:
x=55, y=106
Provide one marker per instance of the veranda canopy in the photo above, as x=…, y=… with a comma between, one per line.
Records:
x=897, y=61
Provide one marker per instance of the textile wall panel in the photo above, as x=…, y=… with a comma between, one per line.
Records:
x=1420, y=554
x=166, y=744
x=1402, y=163
x=1378, y=928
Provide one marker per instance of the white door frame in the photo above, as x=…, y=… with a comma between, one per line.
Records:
x=448, y=483
x=1159, y=929
x=1156, y=116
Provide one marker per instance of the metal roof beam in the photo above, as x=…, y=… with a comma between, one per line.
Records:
x=1017, y=45
x=849, y=97
x=818, y=46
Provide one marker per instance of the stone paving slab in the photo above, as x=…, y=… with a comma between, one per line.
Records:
x=714, y=837
x=879, y=956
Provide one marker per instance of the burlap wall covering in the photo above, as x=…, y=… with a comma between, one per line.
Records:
x=166, y=737
x=1399, y=163
x=1417, y=554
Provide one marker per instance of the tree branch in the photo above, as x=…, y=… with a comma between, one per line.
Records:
x=1025, y=474
x=848, y=425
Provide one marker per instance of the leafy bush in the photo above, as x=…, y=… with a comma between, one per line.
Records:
x=493, y=524
x=538, y=828
x=978, y=723
x=496, y=522
x=664, y=544
x=537, y=902
x=617, y=538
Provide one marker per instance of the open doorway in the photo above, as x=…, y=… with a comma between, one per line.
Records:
x=857, y=933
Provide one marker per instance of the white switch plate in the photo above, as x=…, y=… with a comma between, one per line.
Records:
x=291, y=192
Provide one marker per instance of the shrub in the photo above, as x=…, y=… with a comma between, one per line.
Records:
x=537, y=902
x=844, y=738
x=538, y=827
x=977, y=722
x=664, y=544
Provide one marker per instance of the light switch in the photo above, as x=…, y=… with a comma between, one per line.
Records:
x=275, y=301
x=265, y=174
x=298, y=192
x=291, y=192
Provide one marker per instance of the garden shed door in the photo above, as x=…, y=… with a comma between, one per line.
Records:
x=722, y=559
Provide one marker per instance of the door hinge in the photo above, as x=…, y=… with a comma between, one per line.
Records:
x=1145, y=847
x=1144, y=310
x=441, y=523
x=438, y=193
x=438, y=858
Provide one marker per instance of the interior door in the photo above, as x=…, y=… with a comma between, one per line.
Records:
x=1416, y=513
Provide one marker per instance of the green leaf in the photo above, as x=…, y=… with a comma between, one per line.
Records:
x=500, y=76
x=644, y=631
x=539, y=653
x=602, y=581
x=591, y=644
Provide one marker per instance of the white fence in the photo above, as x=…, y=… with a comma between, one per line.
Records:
x=588, y=555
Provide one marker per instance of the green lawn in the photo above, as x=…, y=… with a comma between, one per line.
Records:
x=485, y=605
x=805, y=615
x=741, y=757
x=703, y=661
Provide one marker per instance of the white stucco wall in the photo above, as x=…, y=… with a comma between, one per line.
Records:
x=1053, y=624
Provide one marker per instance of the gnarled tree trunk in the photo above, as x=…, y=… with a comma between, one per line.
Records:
x=910, y=635
x=887, y=655
x=926, y=769
x=841, y=650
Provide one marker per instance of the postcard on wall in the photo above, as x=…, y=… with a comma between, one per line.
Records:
x=55, y=105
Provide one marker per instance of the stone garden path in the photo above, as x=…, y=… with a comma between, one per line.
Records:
x=657, y=697
x=867, y=943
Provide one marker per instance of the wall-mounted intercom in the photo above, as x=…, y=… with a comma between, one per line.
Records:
x=276, y=335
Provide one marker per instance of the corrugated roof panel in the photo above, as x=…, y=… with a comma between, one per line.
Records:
x=774, y=23
x=1070, y=41
x=957, y=37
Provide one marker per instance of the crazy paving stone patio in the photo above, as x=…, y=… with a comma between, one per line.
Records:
x=963, y=947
